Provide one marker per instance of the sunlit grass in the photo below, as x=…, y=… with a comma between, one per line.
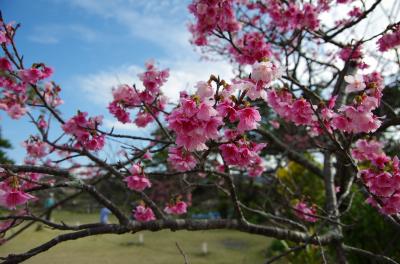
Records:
x=224, y=246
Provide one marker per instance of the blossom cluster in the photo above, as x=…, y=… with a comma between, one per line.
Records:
x=150, y=100
x=12, y=193
x=298, y=111
x=5, y=32
x=356, y=117
x=353, y=54
x=359, y=117
x=244, y=154
x=137, y=180
x=14, y=85
x=211, y=15
x=143, y=213
x=290, y=16
x=85, y=131
x=390, y=40
x=252, y=47
x=12, y=197
x=178, y=208
x=199, y=118
x=194, y=122
x=181, y=159
x=16, y=82
x=36, y=148
x=305, y=212
x=381, y=175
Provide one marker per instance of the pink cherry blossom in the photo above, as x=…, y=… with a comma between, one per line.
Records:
x=355, y=83
x=126, y=97
x=5, y=64
x=30, y=75
x=360, y=119
x=84, y=131
x=16, y=111
x=265, y=72
x=143, y=214
x=256, y=168
x=52, y=94
x=355, y=12
x=390, y=40
x=14, y=197
x=243, y=154
x=298, y=111
x=137, y=182
x=392, y=205
x=153, y=79
x=3, y=37
x=292, y=16
x=231, y=134
x=228, y=109
x=275, y=124
x=248, y=118
x=210, y=15
x=119, y=112
x=304, y=212
x=204, y=90
x=380, y=160
x=34, y=74
x=206, y=112
x=42, y=124
x=194, y=124
x=252, y=48
x=351, y=53
x=35, y=147
x=382, y=177
x=366, y=150
x=180, y=159
x=177, y=208
x=143, y=119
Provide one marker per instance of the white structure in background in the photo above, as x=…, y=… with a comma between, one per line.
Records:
x=141, y=239
x=204, y=248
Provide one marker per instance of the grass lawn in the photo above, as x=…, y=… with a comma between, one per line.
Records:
x=224, y=246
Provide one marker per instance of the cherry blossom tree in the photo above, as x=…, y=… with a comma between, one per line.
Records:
x=305, y=93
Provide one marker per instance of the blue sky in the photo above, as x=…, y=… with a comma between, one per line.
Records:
x=95, y=45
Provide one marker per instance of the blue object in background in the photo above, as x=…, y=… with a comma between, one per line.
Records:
x=209, y=215
x=104, y=212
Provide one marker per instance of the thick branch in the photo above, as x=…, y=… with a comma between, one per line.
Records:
x=178, y=224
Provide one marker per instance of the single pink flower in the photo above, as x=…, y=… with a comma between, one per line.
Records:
x=143, y=214
x=355, y=83
x=12, y=198
x=137, y=183
x=303, y=211
x=248, y=118
x=180, y=159
x=204, y=90
x=177, y=208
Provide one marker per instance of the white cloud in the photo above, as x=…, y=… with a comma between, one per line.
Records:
x=52, y=34
x=183, y=76
x=44, y=39
x=97, y=86
x=110, y=124
x=162, y=22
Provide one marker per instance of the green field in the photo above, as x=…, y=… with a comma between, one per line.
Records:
x=159, y=247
